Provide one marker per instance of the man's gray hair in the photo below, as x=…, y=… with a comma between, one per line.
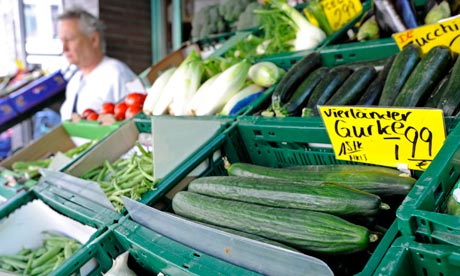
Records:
x=89, y=23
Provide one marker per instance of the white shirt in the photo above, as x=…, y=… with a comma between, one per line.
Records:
x=106, y=83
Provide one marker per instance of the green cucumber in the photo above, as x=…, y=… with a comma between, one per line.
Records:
x=428, y=72
x=325, y=197
x=327, y=87
x=293, y=77
x=373, y=93
x=379, y=183
x=301, y=229
x=249, y=236
x=353, y=87
x=300, y=97
x=403, y=65
x=450, y=98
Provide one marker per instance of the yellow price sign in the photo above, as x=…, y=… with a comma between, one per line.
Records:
x=446, y=33
x=394, y=137
x=340, y=12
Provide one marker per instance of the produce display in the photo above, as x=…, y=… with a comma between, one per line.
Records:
x=327, y=211
x=283, y=28
x=42, y=260
x=30, y=169
x=131, y=176
x=337, y=212
x=110, y=112
x=209, y=87
x=407, y=79
x=389, y=17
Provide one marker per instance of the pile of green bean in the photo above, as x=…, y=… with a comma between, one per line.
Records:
x=42, y=260
x=130, y=177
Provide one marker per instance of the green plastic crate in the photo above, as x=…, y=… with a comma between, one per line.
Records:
x=381, y=250
x=121, y=141
x=11, y=183
x=338, y=37
x=60, y=139
x=373, y=52
x=271, y=142
x=150, y=253
x=408, y=257
x=421, y=214
x=90, y=129
x=68, y=204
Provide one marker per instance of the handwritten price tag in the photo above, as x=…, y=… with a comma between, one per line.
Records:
x=386, y=136
x=340, y=12
x=444, y=33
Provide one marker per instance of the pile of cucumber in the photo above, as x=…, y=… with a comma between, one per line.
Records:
x=406, y=79
x=314, y=209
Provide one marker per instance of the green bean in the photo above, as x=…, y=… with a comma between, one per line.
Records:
x=46, y=257
x=29, y=263
x=18, y=264
x=40, y=269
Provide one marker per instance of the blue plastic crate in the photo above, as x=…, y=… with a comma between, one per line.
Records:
x=38, y=91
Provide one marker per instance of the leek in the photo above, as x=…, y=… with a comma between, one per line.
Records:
x=185, y=91
x=227, y=84
x=308, y=36
x=154, y=92
x=198, y=97
x=175, y=84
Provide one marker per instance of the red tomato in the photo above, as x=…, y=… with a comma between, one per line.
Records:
x=108, y=108
x=92, y=117
x=120, y=108
x=135, y=98
x=132, y=111
x=87, y=112
x=120, y=116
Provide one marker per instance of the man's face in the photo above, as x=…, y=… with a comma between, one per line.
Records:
x=77, y=46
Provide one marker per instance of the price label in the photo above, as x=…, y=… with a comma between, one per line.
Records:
x=392, y=137
x=340, y=12
x=446, y=33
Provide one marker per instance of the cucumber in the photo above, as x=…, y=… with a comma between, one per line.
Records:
x=300, y=97
x=325, y=197
x=293, y=77
x=301, y=229
x=403, y=65
x=450, y=98
x=428, y=72
x=249, y=236
x=353, y=87
x=327, y=87
x=375, y=182
x=372, y=94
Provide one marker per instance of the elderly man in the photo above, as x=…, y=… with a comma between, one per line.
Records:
x=99, y=78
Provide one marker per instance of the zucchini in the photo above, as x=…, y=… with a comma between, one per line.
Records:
x=428, y=72
x=373, y=93
x=353, y=87
x=293, y=77
x=435, y=97
x=325, y=197
x=327, y=87
x=403, y=65
x=300, y=97
x=301, y=229
x=450, y=98
x=375, y=182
